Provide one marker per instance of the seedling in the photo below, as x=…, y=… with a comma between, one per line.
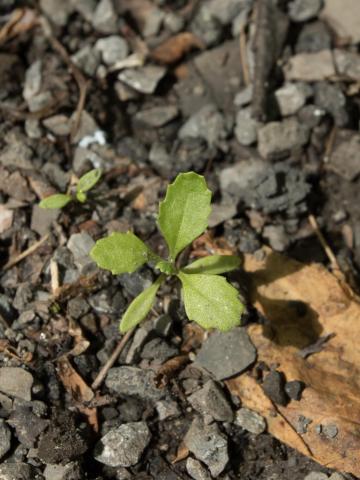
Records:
x=183, y=215
x=85, y=183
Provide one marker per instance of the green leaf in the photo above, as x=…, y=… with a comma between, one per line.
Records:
x=166, y=267
x=214, y=264
x=183, y=215
x=120, y=253
x=211, y=301
x=88, y=180
x=59, y=200
x=140, y=306
x=81, y=197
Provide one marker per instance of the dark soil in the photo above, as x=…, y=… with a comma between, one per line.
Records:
x=271, y=159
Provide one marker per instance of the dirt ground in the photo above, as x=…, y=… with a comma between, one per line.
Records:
x=260, y=97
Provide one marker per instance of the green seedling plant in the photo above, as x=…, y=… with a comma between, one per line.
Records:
x=84, y=185
x=208, y=298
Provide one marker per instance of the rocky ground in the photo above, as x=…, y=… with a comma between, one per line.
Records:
x=260, y=97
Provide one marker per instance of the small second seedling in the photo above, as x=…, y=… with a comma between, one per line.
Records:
x=85, y=183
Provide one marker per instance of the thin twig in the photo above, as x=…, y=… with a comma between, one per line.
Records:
x=244, y=58
x=54, y=271
x=25, y=253
x=104, y=370
x=330, y=144
x=78, y=76
x=324, y=244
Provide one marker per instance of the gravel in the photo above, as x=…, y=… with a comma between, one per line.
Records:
x=124, y=445
x=196, y=470
x=341, y=19
x=316, y=476
x=157, y=116
x=16, y=382
x=143, y=79
x=244, y=97
x=310, y=67
x=5, y=438
x=277, y=237
x=70, y=471
x=210, y=400
x=314, y=37
x=112, y=49
x=167, y=409
x=208, y=445
x=251, y=421
x=345, y=155
x=332, y=99
x=226, y=354
x=348, y=64
x=274, y=387
x=290, y=98
x=159, y=350
x=135, y=382
x=280, y=139
x=208, y=123
x=302, y=10
x=16, y=471
x=104, y=19
x=246, y=127
x=27, y=425
x=87, y=59
x=80, y=245
x=294, y=389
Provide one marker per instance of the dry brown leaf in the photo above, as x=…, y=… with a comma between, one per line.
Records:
x=21, y=20
x=168, y=369
x=80, y=392
x=206, y=245
x=80, y=342
x=174, y=48
x=182, y=453
x=73, y=382
x=301, y=303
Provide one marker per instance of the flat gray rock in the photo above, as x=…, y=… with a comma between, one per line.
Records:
x=347, y=64
x=246, y=127
x=16, y=382
x=277, y=140
x=16, y=471
x=124, y=445
x=157, y=116
x=112, y=49
x=225, y=354
x=303, y=10
x=135, y=382
x=210, y=400
x=80, y=245
x=208, y=444
x=316, y=476
x=104, y=17
x=208, y=123
x=332, y=99
x=341, y=18
x=310, y=67
x=240, y=176
x=143, y=79
x=290, y=98
x=196, y=470
x=251, y=421
x=70, y=471
x=5, y=438
x=345, y=156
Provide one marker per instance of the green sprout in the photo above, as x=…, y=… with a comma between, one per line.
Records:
x=183, y=215
x=85, y=183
